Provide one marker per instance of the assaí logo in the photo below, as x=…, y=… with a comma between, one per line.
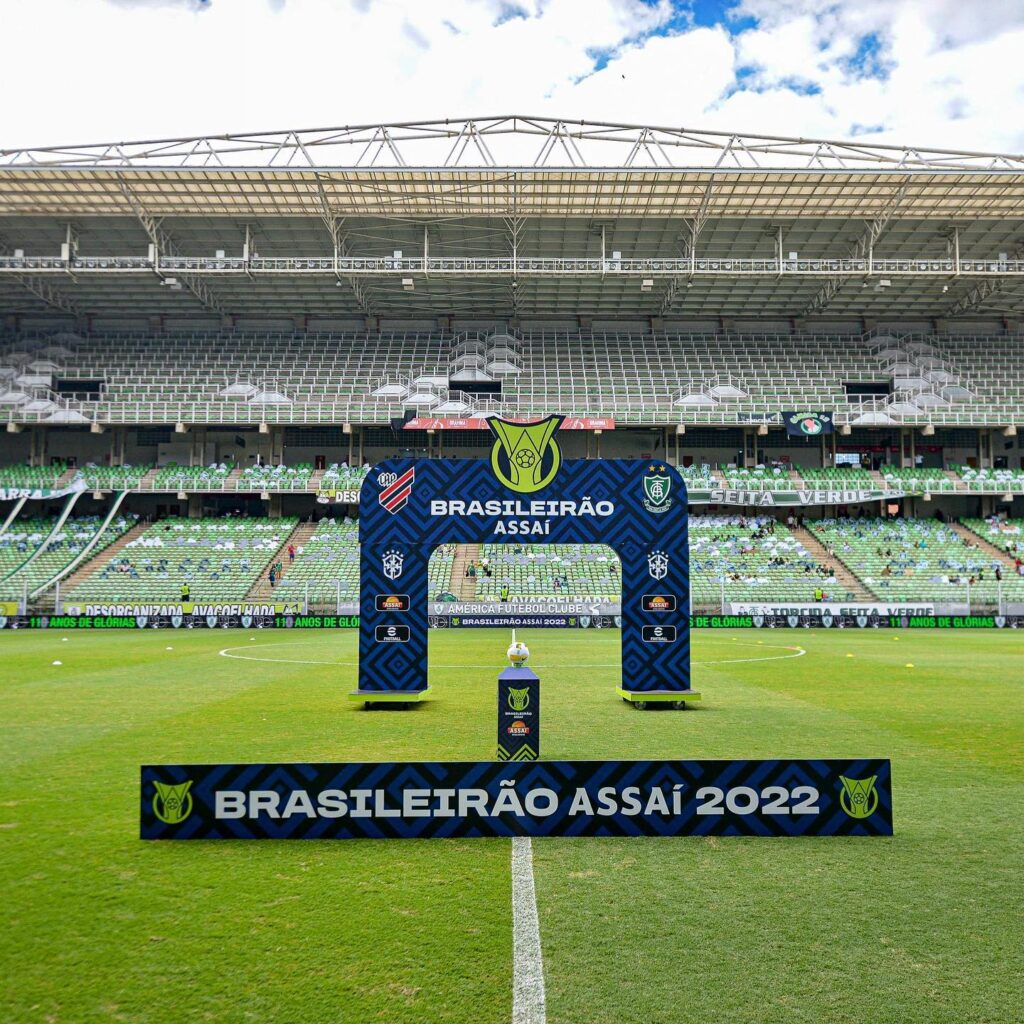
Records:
x=172, y=804
x=525, y=457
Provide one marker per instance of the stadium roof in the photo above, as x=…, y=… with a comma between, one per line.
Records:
x=577, y=216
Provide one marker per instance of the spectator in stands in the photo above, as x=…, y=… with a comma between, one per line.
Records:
x=273, y=577
x=186, y=592
x=504, y=592
x=291, y=553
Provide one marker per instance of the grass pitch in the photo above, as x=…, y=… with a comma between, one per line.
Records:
x=98, y=926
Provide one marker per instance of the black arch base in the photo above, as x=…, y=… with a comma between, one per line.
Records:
x=393, y=698
x=637, y=508
x=642, y=699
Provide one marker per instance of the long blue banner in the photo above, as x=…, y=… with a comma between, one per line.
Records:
x=540, y=798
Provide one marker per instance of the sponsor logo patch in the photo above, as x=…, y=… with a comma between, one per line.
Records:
x=392, y=602
x=659, y=602
x=391, y=634
x=658, y=634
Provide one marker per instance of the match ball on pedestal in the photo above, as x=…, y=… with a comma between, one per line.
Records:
x=518, y=653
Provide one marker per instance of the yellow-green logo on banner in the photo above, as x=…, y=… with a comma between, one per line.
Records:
x=172, y=804
x=525, y=456
x=859, y=798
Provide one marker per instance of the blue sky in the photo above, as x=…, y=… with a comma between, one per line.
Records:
x=928, y=72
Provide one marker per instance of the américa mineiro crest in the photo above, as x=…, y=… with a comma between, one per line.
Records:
x=657, y=489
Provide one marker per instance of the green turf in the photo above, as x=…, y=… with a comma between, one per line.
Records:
x=97, y=926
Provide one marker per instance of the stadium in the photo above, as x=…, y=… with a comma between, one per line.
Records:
x=209, y=345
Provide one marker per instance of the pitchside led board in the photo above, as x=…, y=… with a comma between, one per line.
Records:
x=525, y=492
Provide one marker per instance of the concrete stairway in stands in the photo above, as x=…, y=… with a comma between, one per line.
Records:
x=990, y=549
x=821, y=555
x=261, y=589
x=463, y=586
x=65, y=478
x=105, y=557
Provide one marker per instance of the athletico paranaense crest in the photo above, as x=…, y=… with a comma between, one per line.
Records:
x=395, y=489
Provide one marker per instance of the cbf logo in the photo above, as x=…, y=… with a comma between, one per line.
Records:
x=519, y=700
x=657, y=564
x=859, y=797
x=657, y=490
x=172, y=804
x=391, y=563
x=525, y=456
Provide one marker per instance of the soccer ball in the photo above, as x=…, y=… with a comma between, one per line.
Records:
x=517, y=653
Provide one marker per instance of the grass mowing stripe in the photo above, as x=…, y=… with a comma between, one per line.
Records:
x=527, y=958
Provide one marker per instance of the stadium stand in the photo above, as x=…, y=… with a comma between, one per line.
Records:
x=31, y=477
x=917, y=560
x=1011, y=480
x=754, y=558
x=113, y=478
x=276, y=478
x=548, y=571
x=328, y=558
x=1005, y=535
x=637, y=377
x=220, y=559
x=21, y=541
x=191, y=478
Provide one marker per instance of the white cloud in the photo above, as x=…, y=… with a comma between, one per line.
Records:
x=929, y=72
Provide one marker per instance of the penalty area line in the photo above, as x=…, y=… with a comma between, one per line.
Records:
x=527, y=960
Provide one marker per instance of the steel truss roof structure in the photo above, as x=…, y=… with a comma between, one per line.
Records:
x=511, y=216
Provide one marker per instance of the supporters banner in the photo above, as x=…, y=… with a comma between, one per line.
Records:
x=807, y=424
x=480, y=423
x=763, y=498
x=289, y=620
x=815, y=610
x=41, y=493
x=330, y=496
x=438, y=800
x=192, y=609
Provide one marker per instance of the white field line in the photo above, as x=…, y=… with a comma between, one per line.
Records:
x=527, y=959
x=797, y=652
